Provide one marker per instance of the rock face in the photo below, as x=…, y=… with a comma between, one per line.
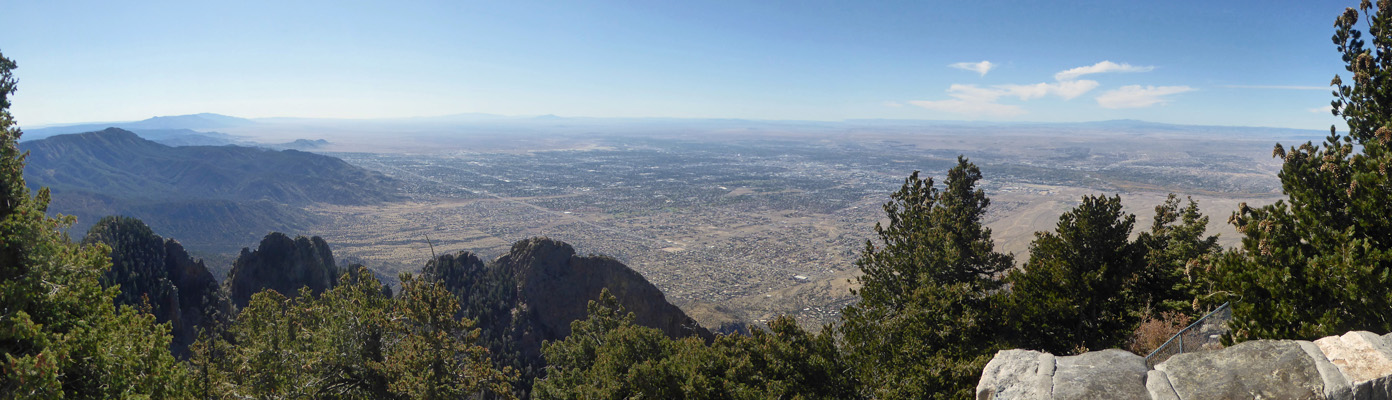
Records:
x=148, y=267
x=533, y=293
x=200, y=302
x=284, y=265
x=1271, y=369
x=1356, y=365
x=1364, y=359
x=1018, y=374
x=1028, y=374
x=555, y=284
x=1109, y=373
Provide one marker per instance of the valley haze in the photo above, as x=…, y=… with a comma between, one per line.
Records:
x=735, y=220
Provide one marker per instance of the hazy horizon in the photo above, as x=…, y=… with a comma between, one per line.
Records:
x=488, y=116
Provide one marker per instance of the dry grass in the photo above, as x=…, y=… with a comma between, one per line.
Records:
x=1154, y=332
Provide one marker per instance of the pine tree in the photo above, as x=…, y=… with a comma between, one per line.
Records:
x=1175, y=247
x=436, y=356
x=61, y=336
x=926, y=321
x=1319, y=262
x=787, y=362
x=1075, y=293
x=351, y=342
x=608, y=356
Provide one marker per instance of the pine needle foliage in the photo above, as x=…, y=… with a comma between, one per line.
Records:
x=1076, y=292
x=351, y=342
x=61, y=336
x=927, y=320
x=608, y=356
x=1319, y=262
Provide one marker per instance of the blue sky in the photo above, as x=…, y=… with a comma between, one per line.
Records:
x=1253, y=63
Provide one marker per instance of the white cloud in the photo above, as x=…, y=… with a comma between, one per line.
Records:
x=1322, y=110
x=893, y=104
x=977, y=67
x=974, y=93
x=1066, y=89
x=981, y=101
x=1101, y=67
x=1137, y=96
x=972, y=100
x=984, y=101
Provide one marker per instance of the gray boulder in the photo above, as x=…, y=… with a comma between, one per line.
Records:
x=1266, y=369
x=1106, y=374
x=1017, y=374
x=1364, y=362
x=1159, y=386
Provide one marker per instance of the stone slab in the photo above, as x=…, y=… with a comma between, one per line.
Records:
x=1336, y=387
x=1364, y=360
x=1265, y=369
x=1017, y=374
x=1158, y=386
x=1106, y=374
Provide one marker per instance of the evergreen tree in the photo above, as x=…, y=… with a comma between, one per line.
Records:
x=355, y=338
x=275, y=349
x=925, y=324
x=137, y=263
x=61, y=335
x=147, y=269
x=1319, y=262
x=1175, y=247
x=1076, y=292
x=351, y=342
x=488, y=295
x=435, y=357
x=787, y=362
x=608, y=356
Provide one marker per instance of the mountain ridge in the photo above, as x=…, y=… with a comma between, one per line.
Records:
x=211, y=196
x=218, y=121
x=192, y=122
x=119, y=162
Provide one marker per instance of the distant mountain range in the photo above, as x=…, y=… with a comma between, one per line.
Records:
x=205, y=195
x=193, y=128
x=189, y=137
x=488, y=132
x=163, y=128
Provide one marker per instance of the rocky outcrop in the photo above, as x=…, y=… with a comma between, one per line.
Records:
x=531, y=295
x=1364, y=359
x=1028, y=374
x=1270, y=369
x=149, y=268
x=555, y=285
x=284, y=265
x=201, y=303
x=1356, y=365
x=1018, y=374
x=1113, y=371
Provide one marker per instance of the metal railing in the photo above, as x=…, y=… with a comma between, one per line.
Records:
x=1204, y=334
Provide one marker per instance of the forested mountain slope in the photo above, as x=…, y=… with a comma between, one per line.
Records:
x=211, y=197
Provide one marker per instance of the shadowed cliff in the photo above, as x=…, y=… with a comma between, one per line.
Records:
x=149, y=268
x=532, y=294
x=284, y=265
